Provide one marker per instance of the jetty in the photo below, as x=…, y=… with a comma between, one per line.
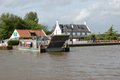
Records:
x=96, y=43
x=93, y=44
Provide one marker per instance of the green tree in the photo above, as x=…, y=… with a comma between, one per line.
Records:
x=33, y=25
x=31, y=19
x=9, y=22
x=111, y=34
x=32, y=16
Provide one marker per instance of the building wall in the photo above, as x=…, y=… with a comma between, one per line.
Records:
x=15, y=34
x=57, y=30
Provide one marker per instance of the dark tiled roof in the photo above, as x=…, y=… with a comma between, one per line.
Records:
x=76, y=27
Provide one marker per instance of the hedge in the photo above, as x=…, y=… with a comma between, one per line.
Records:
x=13, y=42
x=6, y=47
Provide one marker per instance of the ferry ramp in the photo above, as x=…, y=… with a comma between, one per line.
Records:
x=57, y=42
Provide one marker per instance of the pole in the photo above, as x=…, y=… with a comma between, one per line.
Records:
x=72, y=35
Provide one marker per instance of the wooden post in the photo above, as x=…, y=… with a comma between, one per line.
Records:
x=42, y=49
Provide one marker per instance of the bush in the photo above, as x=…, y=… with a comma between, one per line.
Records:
x=87, y=37
x=13, y=42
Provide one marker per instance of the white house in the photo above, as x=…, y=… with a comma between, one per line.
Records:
x=76, y=31
x=57, y=30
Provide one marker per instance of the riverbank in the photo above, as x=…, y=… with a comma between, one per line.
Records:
x=6, y=47
x=70, y=45
x=94, y=44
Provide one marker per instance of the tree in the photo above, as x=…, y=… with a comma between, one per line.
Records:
x=9, y=22
x=111, y=34
x=100, y=36
x=31, y=19
x=32, y=16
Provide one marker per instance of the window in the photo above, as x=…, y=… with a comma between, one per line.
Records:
x=15, y=34
x=79, y=27
x=33, y=34
x=74, y=33
x=68, y=33
x=61, y=26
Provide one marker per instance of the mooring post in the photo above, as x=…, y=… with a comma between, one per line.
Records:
x=42, y=48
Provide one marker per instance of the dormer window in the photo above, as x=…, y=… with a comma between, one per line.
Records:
x=33, y=34
x=82, y=28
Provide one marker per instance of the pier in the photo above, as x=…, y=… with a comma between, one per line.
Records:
x=94, y=44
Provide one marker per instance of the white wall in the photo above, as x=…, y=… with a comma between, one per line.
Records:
x=15, y=34
x=57, y=30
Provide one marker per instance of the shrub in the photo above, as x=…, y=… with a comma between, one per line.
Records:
x=13, y=42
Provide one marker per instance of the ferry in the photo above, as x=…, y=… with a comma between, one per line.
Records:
x=56, y=43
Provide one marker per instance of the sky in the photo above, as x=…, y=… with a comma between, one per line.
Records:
x=98, y=14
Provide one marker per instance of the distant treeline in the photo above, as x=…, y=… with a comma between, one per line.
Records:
x=111, y=34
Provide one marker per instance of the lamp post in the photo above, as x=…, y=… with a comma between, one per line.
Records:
x=72, y=34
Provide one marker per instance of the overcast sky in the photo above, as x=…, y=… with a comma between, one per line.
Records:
x=99, y=14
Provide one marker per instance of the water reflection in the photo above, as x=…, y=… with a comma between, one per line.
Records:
x=58, y=54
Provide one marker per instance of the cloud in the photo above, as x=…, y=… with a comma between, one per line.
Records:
x=2, y=2
x=82, y=15
x=101, y=9
x=115, y=4
x=113, y=8
x=17, y=3
x=87, y=12
x=59, y=3
x=95, y=12
x=41, y=3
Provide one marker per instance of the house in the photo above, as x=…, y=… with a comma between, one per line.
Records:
x=28, y=39
x=27, y=34
x=76, y=31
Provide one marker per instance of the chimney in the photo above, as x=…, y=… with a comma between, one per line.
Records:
x=57, y=23
x=85, y=23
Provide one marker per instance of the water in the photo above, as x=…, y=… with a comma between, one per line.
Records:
x=81, y=63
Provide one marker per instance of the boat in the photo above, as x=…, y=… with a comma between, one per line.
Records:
x=58, y=43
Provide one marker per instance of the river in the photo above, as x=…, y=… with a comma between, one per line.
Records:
x=81, y=63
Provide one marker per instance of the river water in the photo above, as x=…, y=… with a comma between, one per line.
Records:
x=81, y=63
